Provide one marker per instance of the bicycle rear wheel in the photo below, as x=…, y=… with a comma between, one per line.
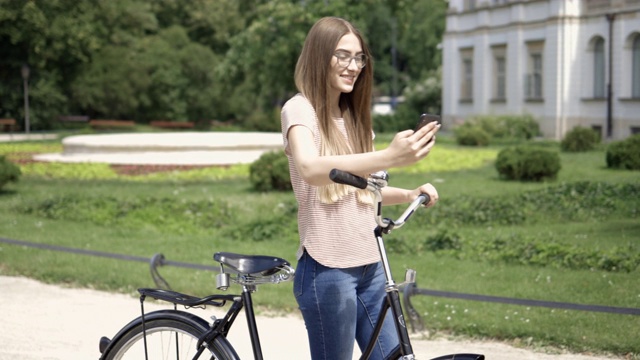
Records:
x=173, y=337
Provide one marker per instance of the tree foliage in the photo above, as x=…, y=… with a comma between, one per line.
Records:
x=192, y=60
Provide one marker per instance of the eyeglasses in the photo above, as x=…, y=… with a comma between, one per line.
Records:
x=344, y=59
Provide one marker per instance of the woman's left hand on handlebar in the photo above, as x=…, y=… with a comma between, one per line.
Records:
x=429, y=190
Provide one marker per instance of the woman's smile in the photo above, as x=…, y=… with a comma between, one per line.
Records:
x=349, y=78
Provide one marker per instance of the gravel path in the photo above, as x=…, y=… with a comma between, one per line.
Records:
x=41, y=321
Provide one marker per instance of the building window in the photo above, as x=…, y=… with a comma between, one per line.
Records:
x=533, y=80
x=469, y=5
x=466, y=83
x=635, y=70
x=500, y=77
x=598, y=68
x=499, y=72
x=598, y=5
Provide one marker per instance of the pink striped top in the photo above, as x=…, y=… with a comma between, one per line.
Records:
x=338, y=235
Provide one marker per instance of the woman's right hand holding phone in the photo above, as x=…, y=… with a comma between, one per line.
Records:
x=409, y=147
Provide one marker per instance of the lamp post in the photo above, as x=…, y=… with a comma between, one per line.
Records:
x=25, y=77
x=394, y=64
x=610, y=19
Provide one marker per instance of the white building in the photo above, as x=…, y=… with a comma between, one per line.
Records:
x=566, y=62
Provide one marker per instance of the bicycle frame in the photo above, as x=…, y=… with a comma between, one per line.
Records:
x=222, y=327
x=392, y=300
x=251, y=322
x=375, y=183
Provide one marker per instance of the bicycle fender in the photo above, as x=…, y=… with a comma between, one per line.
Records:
x=195, y=320
x=460, y=357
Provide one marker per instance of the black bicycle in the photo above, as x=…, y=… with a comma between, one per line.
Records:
x=177, y=334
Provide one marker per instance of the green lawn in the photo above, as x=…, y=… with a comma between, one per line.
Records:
x=575, y=239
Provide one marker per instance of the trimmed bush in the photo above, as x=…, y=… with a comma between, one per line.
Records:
x=9, y=172
x=527, y=163
x=270, y=172
x=624, y=154
x=469, y=134
x=508, y=127
x=520, y=126
x=580, y=139
x=481, y=130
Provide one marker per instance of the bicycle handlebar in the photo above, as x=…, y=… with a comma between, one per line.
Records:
x=374, y=184
x=343, y=177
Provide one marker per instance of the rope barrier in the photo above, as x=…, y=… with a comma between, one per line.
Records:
x=105, y=254
x=408, y=291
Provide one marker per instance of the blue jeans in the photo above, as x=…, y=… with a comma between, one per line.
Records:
x=340, y=305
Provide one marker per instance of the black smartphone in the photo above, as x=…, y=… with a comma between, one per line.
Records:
x=425, y=119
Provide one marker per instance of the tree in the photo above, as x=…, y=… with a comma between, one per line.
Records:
x=197, y=59
x=113, y=85
x=58, y=39
x=52, y=37
x=257, y=71
x=421, y=28
x=207, y=22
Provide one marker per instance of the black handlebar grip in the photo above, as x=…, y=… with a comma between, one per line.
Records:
x=343, y=177
x=426, y=198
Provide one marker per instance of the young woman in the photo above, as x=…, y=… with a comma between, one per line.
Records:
x=339, y=283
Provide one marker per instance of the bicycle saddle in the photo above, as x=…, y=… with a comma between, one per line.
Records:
x=250, y=264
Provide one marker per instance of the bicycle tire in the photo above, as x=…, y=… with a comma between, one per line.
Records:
x=169, y=337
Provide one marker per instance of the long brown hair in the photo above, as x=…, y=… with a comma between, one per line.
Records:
x=313, y=81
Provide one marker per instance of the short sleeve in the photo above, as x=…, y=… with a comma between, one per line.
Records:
x=297, y=111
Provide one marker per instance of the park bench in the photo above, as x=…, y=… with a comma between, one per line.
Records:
x=8, y=125
x=111, y=124
x=72, y=121
x=172, y=124
x=73, y=118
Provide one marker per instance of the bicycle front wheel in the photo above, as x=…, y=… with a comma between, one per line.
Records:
x=172, y=337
